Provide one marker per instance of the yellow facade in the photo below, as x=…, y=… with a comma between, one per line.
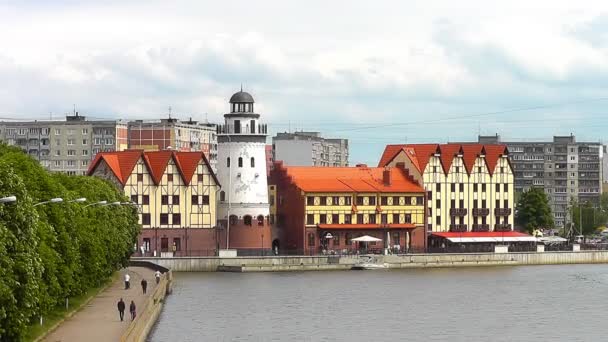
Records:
x=457, y=189
x=340, y=206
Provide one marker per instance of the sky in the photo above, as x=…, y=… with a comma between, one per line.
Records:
x=376, y=72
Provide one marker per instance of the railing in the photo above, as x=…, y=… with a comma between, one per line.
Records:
x=481, y=227
x=458, y=212
x=458, y=227
x=502, y=211
x=481, y=211
x=501, y=227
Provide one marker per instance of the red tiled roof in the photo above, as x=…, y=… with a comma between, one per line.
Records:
x=122, y=163
x=470, y=154
x=493, y=152
x=348, y=179
x=157, y=162
x=421, y=153
x=366, y=226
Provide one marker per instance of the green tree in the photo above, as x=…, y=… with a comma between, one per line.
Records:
x=20, y=266
x=55, y=251
x=533, y=210
x=587, y=216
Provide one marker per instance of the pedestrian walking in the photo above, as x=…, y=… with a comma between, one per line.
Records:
x=133, y=310
x=157, y=275
x=127, y=281
x=121, y=309
x=144, y=285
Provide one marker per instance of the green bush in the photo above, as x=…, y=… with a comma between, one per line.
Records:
x=55, y=251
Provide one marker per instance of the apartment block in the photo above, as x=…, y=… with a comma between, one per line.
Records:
x=175, y=134
x=65, y=146
x=309, y=149
x=566, y=169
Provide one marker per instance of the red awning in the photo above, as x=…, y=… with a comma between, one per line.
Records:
x=367, y=226
x=485, y=236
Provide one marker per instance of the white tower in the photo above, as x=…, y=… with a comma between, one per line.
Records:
x=241, y=170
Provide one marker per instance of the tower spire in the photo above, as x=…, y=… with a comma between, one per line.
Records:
x=241, y=87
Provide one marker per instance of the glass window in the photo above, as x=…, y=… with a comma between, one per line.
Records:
x=310, y=219
x=372, y=200
x=348, y=200
x=164, y=199
x=194, y=199
x=347, y=218
x=240, y=161
x=228, y=162
x=260, y=220
x=145, y=199
x=177, y=219
x=396, y=218
x=372, y=218
x=145, y=219
x=311, y=240
x=335, y=218
x=310, y=200
x=408, y=218
x=170, y=177
x=175, y=199
x=247, y=220
x=205, y=199
x=164, y=218
x=252, y=162
x=323, y=218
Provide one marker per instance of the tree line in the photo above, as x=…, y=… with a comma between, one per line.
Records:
x=58, y=250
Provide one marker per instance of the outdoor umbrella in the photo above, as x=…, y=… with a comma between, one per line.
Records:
x=366, y=239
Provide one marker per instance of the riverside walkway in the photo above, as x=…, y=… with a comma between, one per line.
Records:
x=98, y=320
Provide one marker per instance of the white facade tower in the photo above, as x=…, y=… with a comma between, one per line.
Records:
x=243, y=208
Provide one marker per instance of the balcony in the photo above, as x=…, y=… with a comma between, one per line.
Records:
x=481, y=227
x=502, y=211
x=458, y=227
x=481, y=211
x=458, y=212
x=502, y=227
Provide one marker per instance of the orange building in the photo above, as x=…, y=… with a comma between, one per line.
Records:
x=321, y=209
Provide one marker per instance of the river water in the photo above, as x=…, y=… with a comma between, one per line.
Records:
x=528, y=303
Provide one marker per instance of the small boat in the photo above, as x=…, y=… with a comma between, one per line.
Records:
x=368, y=263
x=368, y=266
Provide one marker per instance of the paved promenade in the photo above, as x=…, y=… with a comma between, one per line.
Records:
x=99, y=320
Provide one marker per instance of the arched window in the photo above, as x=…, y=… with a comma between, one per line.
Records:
x=233, y=219
x=260, y=220
x=252, y=162
x=311, y=240
x=222, y=196
x=247, y=220
x=240, y=162
x=228, y=162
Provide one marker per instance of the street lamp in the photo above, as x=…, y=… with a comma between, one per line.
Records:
x=113, y=203
x=52, y=200
x=96, y=203
x=78, y=200
x=8, y=199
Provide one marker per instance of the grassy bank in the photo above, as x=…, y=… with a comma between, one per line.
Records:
x=59, y=314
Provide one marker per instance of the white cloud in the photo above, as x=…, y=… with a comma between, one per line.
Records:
x=342, y=63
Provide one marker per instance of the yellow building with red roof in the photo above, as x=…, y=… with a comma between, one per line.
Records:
x=175, y=193
x=321, y=209
x=469, y=187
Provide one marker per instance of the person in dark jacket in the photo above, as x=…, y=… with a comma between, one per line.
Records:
x=133, y=309
x=144, y=285
x=121, y=309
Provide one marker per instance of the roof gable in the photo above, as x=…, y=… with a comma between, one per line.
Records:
x=493, y=153
x=470, y=154
x=448, y=153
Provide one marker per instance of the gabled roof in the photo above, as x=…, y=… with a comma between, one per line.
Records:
x=448, y=152
x=122, y=163
x=493, y=152
x=421, y=153
x=418, y=153
x=348, y=179
x=470, y=154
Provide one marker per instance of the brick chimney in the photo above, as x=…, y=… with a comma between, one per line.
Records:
x=386, y=176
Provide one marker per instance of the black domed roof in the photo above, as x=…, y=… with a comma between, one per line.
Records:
x=241, y=97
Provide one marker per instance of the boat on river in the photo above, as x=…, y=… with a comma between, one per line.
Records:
x=369, y=263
